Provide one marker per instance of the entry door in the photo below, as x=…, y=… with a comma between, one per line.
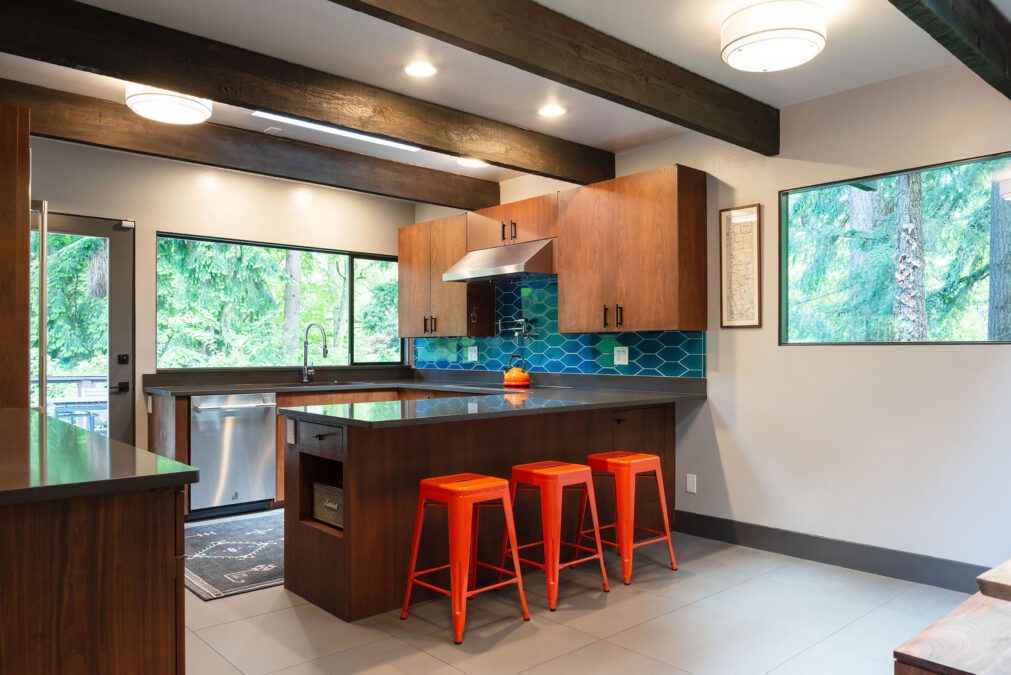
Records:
x=89, y=324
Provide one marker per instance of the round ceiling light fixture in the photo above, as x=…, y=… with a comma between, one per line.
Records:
x=420, y=69
x=471, y=162
x=166, y=106
x=551, y=110
x=774, y=35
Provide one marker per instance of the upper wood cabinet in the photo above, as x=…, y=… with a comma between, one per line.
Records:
x=631, y=253
x=513, y=223
x=429, y=306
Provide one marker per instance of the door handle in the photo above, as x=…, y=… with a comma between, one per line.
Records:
x=433, y=325
x=512, y=229
x=619, y=315
x=426, y=325
x=120, y=388
x=237, y=406
x=503, y=230
x=605, y=316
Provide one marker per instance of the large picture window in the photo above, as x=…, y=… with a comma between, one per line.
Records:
x=226, y=304
x=911, y=257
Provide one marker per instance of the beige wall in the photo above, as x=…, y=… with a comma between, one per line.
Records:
x=168, y=196
x=904, y=447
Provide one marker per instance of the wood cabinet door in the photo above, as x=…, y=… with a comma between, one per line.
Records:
x=415, y=278
x=487, y=228
x=646, y=250
x=448, y=298
x=585, y=259
x=531, y=219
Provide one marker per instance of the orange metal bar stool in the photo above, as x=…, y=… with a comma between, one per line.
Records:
x=624, y=468
x=463, y=494
x=551, y=478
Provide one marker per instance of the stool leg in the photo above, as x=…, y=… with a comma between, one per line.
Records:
x=666, y=525
x=582, y=517
x=505, y=534
x=472, y=573
x=596, y=530
x=460, y=520
x=507, y=507
x=418, y=518
x=551, y=526
x=624, y=517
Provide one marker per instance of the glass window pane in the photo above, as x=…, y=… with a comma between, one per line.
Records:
x=376, y=329
x=919, y=256
x=224, y=304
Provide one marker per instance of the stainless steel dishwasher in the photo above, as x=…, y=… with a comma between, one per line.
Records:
x=233, y=443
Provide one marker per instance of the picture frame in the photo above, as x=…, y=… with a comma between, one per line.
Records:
x=741, y=267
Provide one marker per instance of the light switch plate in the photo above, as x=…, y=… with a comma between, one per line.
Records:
x=289, y=431
x=621, y=356
x=471, y=353
x=691, y=484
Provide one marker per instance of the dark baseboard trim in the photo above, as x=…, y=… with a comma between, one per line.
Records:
x=922, y=569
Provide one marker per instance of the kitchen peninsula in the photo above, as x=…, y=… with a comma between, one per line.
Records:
x=377, y=452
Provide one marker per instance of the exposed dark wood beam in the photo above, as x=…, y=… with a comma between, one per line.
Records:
x=58, y=114
x=88, y=38
x=974, y=31
x=542, y=41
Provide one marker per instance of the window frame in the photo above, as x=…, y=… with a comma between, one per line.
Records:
x=784, y=305
x=352, y=256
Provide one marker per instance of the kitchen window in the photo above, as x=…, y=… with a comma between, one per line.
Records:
x=231, y=304
x=919, y=256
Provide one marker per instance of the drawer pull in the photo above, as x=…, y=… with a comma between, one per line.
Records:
x=320, y=437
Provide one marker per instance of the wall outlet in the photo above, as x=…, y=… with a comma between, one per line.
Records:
x=621, y=356
x=471, y=353
x=691, y=485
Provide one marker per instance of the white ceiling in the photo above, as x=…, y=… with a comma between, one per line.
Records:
x=868, y=41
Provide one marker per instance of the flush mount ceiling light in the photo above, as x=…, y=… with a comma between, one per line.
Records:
x=551, y=110
x=420, y=69
x=471, y=162
x=162, y=105
x=334, y=130
x=773, y=35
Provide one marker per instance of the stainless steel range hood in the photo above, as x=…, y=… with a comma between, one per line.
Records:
x=502, y=262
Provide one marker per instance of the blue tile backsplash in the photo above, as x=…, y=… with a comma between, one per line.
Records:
x=666, y=353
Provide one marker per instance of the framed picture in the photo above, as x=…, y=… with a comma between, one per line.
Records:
x=741, y=267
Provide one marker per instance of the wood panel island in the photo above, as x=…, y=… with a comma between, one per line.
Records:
x=377, y=452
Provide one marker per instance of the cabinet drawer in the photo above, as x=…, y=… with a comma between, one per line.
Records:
x=326, y=441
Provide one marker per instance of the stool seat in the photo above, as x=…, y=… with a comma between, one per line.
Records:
x=550, y=479
x=463, y=494
x=624, y=467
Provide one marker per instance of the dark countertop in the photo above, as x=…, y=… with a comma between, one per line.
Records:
x=489, y=405
x=287, y=387
x=42, y=458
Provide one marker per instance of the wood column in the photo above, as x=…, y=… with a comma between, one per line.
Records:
x=15, y=202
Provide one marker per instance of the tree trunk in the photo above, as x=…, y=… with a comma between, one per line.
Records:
x=338, y=294
x=865, y=209
x=999, y=315
x=910, y=296
x=292, y=302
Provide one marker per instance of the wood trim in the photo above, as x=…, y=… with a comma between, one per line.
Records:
x=99, y=41
x=15, y=203
x=976, y=33
x=526, y=35
x=57, y=114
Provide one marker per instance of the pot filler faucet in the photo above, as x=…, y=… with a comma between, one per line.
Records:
x=307, y=370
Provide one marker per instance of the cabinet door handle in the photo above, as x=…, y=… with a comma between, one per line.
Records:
x=426, y=324
x=433, y=325
x=619, y=315
x=512, y=229
x=503, y=230
x=605, y=316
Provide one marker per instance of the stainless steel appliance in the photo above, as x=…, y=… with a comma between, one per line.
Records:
x=503, y=262
x=232, y=442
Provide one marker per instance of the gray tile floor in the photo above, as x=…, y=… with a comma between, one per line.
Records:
x=728, y=609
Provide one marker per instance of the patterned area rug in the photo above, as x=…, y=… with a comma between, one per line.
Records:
x=235, y=555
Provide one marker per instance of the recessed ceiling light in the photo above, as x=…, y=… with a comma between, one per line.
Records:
x=334, y=130
x=472, y=162
x=162, y=105
x=420, y=69
x=773, y=35
x=551, y=110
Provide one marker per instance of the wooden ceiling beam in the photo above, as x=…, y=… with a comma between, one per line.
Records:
x=88, y=38
x=82, y=119
x=974, y=31
x=544, y=42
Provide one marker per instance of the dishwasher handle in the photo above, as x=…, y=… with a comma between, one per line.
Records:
x=201, y=408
